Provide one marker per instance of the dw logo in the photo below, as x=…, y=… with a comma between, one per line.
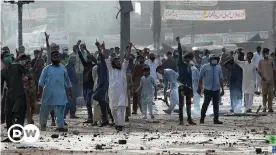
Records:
x=29, y=133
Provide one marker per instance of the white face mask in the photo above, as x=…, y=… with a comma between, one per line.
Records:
x=214, y=62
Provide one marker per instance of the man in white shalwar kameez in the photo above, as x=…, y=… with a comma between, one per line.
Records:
x=249, y=79
x=118, y=97
x=256, y=59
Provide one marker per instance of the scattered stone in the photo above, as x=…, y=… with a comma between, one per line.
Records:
x=76, y=132
x=258, y=151
x=95, y=135
x=209, y=152
x=122, y=141
x=54, y=136
x=265, y=132
x=141, y=148
x=253, y=130
x=99, y=147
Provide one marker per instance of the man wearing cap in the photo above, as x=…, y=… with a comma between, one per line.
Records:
x=211, y=77
x=118, y=88
x=15, y=109
x=52, y=82
x=185, y=89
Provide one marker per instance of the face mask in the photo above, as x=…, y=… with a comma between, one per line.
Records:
x=214, y=62
x=8, y=60
x=266, y=55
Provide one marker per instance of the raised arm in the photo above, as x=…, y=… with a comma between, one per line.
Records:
x=128, y=51
x=102, y=53
x=180, y=60
x=228, y=64
x=36, y=65
x=92, y=56
x=238, y=62
x=125, y=63
x=48, y=48
x=84, y=63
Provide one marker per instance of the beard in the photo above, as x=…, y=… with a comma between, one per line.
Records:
x=56, y=63
x=116, y=67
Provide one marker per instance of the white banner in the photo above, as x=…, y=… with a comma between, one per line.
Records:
x=205, y=15
x=224, y=38
x=60, y=38
x=192, y=2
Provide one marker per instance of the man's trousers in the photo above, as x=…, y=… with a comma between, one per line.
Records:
x=248, y=100
x=208, y=96
x=59, y=112
x=15, y=111
x=119, y=115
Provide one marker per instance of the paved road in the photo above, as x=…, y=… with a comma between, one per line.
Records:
x=240, y=135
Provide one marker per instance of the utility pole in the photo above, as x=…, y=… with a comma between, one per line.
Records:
x=20, y=14
x=274, y=24
x=126, y=8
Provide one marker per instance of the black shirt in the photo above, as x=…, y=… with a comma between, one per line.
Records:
x=185, y=72
x=88, y=81
x=12, y=75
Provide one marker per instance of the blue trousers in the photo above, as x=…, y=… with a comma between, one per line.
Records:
x=44, y=113
x=235, y=97
x=87, y=94
x=72, y=103
x=146, y=102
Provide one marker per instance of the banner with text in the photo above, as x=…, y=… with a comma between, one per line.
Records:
x=192, y=3
x=204, y=15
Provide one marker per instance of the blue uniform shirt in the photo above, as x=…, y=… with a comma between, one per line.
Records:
x=211, y=76
x=54, y=80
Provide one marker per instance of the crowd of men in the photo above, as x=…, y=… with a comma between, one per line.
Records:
x=109, y=84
